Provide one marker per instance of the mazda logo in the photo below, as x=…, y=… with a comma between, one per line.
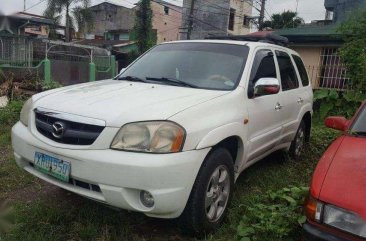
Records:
x=58, y=129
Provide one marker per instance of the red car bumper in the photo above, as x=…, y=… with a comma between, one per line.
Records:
x=313, y=233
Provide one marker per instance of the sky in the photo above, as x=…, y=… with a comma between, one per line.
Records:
x=308, y=9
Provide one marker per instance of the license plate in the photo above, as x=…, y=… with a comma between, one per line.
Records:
x=52, y=166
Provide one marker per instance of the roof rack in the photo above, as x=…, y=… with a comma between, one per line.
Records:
x=265, y=38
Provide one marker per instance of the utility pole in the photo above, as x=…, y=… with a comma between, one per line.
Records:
x=261, y=15
x=25, y=6
x=190, y=23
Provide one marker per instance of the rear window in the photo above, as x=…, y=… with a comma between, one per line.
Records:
x=302, y=70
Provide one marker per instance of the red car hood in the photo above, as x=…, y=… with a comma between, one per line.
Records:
x=344, y=184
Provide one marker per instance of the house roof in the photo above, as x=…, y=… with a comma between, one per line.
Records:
x=119, y=4
x=168, y=4
x=312, y=35
x=33, y=18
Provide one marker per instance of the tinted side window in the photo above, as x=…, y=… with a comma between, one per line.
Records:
x=289, y=79
x=302, y=70
x=263, y=67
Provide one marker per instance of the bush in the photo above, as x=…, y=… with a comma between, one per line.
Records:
x=334, y=103
x=276, y=216
x=10, y=114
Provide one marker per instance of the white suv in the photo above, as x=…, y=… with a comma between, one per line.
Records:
x=170, y=135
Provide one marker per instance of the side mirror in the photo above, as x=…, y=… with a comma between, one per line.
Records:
x=266, y=86
x=122, y=70
x=337, y=122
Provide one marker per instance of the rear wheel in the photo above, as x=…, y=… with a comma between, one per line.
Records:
x=211, y=194
x=298, y=144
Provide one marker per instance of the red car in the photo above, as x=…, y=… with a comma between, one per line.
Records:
x=336, y=208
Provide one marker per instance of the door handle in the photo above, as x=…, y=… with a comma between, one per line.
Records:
x=300, y=101
x=278, y=106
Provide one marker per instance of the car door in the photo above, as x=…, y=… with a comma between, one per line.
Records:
x=289, y=96
x=264, y=123
x=306, y=93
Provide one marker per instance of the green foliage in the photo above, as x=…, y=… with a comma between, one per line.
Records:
x=276, y=216
x=334, y=103
x=10, y=114
x=286, y=19
x=82, y=14
x=50, y=85
x=353, y=51
x=143, y=32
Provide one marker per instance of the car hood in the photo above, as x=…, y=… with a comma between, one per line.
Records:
x=345, y=182
x=119, y=102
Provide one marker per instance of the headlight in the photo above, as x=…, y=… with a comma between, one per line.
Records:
x=344, y=220
x=153, y=137
x=24, y=113
x=335, y=217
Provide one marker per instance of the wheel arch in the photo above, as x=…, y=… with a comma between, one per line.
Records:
x=227, y=137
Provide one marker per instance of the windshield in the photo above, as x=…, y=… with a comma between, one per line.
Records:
x=191, y=65
x=359, y=126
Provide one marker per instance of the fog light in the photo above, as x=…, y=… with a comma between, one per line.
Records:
x=147, y=199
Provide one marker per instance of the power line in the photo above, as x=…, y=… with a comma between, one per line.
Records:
x=34, y=5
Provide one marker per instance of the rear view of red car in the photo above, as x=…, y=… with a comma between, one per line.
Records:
x=336, y=207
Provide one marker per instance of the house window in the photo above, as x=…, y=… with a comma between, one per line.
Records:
x=246, y=21
x=232, y=19
x=332, y=72
x=166, y=10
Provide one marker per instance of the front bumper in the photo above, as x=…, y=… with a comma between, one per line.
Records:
x=119, y=175
x=312, y=233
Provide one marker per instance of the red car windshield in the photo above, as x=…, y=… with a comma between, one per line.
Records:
x=359, y=126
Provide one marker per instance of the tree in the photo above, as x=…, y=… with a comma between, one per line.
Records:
x=287, y=19
x=55, y=9
x=353, y=52
x=143, y=32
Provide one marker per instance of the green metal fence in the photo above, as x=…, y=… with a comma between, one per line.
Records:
x=67, y=63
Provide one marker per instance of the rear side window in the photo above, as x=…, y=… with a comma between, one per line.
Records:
x=289, y=79
x=263, y=67
x=302, y=70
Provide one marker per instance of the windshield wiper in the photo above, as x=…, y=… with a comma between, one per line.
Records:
x=132, y=78
x=172, y=81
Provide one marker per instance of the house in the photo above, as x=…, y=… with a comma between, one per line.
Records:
x=215, y=17
x=116, y=21
x=22, y=23
x=318, y=44
x=339, y=10
x=113, y=21
x=167, y=19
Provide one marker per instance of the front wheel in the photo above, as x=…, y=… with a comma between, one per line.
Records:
x=211, y=194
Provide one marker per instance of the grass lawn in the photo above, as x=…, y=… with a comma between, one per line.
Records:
x=43, y=212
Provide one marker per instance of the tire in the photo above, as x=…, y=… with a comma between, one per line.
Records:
x=213, y=187
x=298, y=144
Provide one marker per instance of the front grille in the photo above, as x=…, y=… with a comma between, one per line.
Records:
x=74, y=133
